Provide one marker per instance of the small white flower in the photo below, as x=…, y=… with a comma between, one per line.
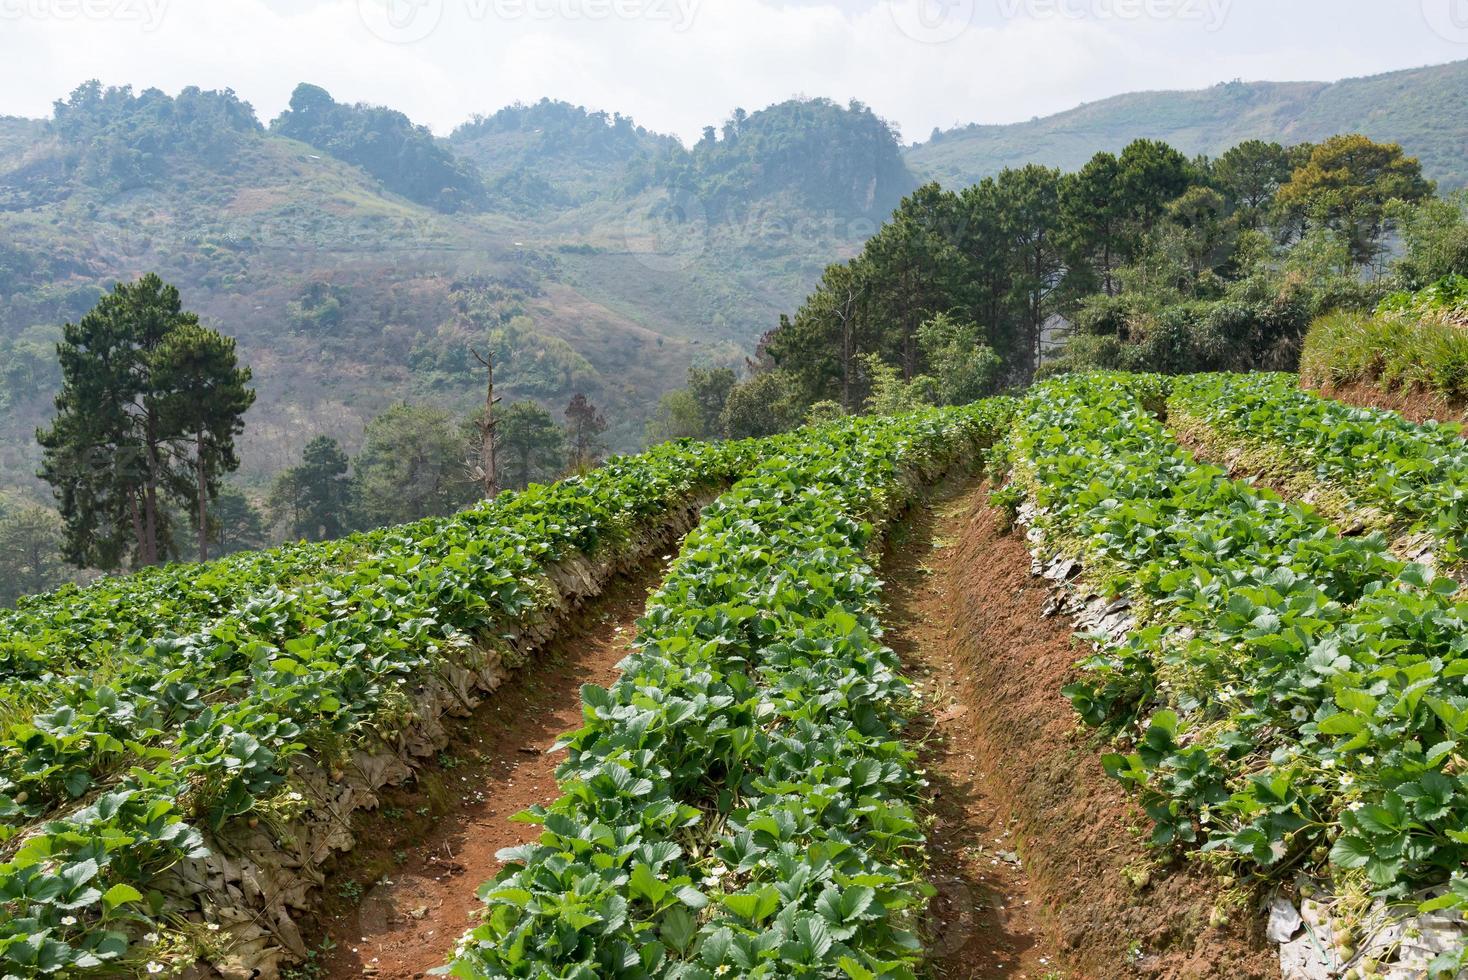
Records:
x=293, y=795
x=151, y=937
x=155, y=967
x=212, y=927
x=721, y=969
x=1347, y=779
x=1298, y=714
x=68, y=920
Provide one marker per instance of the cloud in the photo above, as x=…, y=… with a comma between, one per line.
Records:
x=678, y=65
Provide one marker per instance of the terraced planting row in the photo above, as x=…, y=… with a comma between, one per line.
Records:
x=123, y=759
x=1416, y=474
x=1296, y=700
x=740, y=801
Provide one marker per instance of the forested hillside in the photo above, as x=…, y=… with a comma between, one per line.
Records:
x=1423, y=109
x=357, y=258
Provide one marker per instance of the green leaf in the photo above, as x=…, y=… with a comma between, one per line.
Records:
x=120, y=894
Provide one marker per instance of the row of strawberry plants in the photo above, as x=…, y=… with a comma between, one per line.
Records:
x=193, y=730
x=86, y=628
x=740, y=802
x=1418, y=473
x=1296, y=698
x=79, y=628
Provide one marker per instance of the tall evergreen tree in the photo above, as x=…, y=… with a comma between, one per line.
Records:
x=313, y=499
x=138, y=372
x=529, y=444
x=204, y=395
x=1095, y=214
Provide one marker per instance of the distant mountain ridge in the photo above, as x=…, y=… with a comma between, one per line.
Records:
x=357, y=256
x=1424, y=109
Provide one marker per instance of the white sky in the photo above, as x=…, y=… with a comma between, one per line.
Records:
x=677, y=65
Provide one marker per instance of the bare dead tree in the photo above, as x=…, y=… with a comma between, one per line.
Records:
x=487, y=427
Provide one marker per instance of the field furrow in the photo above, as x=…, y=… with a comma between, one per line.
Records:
x=1294, y=700
x=740, y=799
x=179, y=803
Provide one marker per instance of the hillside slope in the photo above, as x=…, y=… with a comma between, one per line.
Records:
x=1424, y=109
x=357, y=257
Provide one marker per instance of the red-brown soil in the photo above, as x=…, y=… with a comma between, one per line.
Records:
x=396, y=905
x=1415, y=406
x=1012, y=776
x=983, y=922
x=1014, y=765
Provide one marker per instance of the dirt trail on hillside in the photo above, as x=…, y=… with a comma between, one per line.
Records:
x=395, y=906
x=1013, y=772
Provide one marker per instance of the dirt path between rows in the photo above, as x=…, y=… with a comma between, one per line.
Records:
x=1015, y=777
x=395, y=906
x=983, y=921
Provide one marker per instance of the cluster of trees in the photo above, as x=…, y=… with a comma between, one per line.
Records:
x=151, y=403
x=516, y=146
x=122, y=140
x=385, y=143
x=418, y=461
x=840, y=159
x=149, y=407
x=1156, y=261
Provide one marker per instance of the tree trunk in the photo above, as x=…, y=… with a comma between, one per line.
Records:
x=846, y=364
x=203, y=476
x=486, y=431
x=150, y=504
x=137, y=518
x=152, y=465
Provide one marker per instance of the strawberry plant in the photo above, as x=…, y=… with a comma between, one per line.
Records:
x=740, y=802
x=1417, y=472
x=111, y=774
x=1287, y=692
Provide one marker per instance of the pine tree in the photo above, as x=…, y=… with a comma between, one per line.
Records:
x=313, y=499
x=204, y=395
x=140, y=379
x=529, y=442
